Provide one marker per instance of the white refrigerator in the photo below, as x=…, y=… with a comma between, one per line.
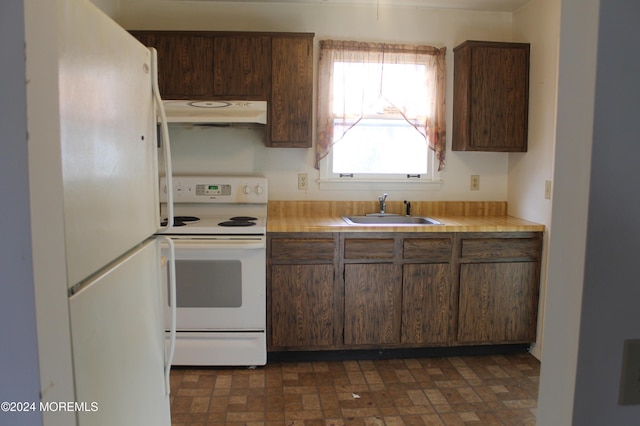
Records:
x=111, y=213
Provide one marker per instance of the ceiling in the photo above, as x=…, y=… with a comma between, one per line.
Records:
x=487, y=5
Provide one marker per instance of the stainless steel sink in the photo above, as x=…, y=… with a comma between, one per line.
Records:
x=390, y=220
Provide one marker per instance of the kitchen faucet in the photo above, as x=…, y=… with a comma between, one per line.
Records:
x=383, y=203
x=407, y=208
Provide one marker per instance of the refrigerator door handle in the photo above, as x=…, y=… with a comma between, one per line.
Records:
x=166, y=145
x=172, y=304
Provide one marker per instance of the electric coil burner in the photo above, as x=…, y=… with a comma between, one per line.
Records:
x=219, y=234
x=180, y=220
x=239, y=221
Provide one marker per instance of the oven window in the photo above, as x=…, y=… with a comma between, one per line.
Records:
x=208, y=283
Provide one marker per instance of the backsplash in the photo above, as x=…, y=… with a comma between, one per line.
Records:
x=419, y=208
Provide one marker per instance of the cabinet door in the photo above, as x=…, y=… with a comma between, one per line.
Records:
x=373, y=298
x=498, y=302
x=185, y=65
x=290, y=109
x=303, y=308
x=426, y=301
x=499, y=84
x=242, y=66
x=491, y=96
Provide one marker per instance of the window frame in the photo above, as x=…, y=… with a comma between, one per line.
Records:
x=432, y=179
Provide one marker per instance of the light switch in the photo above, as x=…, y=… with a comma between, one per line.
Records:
x=547, y=189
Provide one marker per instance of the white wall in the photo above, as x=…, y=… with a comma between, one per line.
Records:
x=389, y=24
x=566, y=260
x=529, y=171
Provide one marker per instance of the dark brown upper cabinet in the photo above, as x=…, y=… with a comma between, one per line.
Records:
x=185, y=63
x=242, y=66
x=210, y=65
x=290, y=109
x=490, y=96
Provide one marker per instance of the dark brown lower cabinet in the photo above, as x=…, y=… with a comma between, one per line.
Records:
x=426, y=300
x=304, y=300
x=498, y=302
x=372, y=298
x=302, y=305
x=498, y=287
x=392, y=290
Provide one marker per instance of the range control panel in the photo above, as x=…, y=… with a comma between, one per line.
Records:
x=204, y=189
x=216, y=189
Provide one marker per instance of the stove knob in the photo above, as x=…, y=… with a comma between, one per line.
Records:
x=259, y=189
x=246, y=189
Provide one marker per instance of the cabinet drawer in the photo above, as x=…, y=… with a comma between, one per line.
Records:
x=427, y=249
x=501, y=248
x=368, y=248
x=295, y=249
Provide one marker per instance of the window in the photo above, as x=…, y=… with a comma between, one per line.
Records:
x=380, y=111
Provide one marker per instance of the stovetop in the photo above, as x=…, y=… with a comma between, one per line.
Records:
x=216, y=205
x=211, y=225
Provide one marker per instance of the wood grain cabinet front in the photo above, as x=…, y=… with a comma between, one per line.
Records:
x=185, y=62
x=398, y=290
x=490, y=96
x=242, y=66
x=373, y=303
x=499, y=284
x=401, y=290
x=428, y=290
x=211, y=65
x=303, y=313
x=304, y=300
x=291, y=102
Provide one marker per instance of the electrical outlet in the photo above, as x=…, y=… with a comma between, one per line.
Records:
x=630, y=380
x=475, y=182
x=547, y=189
x=303, y=181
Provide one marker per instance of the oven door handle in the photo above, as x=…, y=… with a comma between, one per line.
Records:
x=218, y=245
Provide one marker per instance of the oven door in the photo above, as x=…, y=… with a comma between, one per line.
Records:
x=220, y=284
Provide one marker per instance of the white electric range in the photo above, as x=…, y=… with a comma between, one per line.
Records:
x=219, y=234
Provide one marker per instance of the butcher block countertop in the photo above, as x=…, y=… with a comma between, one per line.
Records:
x=457, y=216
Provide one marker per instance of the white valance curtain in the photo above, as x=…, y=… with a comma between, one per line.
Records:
x=358, y=79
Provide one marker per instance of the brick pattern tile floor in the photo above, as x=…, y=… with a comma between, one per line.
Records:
x=474, y=390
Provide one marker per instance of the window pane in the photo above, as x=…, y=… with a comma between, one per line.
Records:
x=380, y=146
x=369, y=88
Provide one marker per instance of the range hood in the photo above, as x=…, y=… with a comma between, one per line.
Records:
x=203, y=112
